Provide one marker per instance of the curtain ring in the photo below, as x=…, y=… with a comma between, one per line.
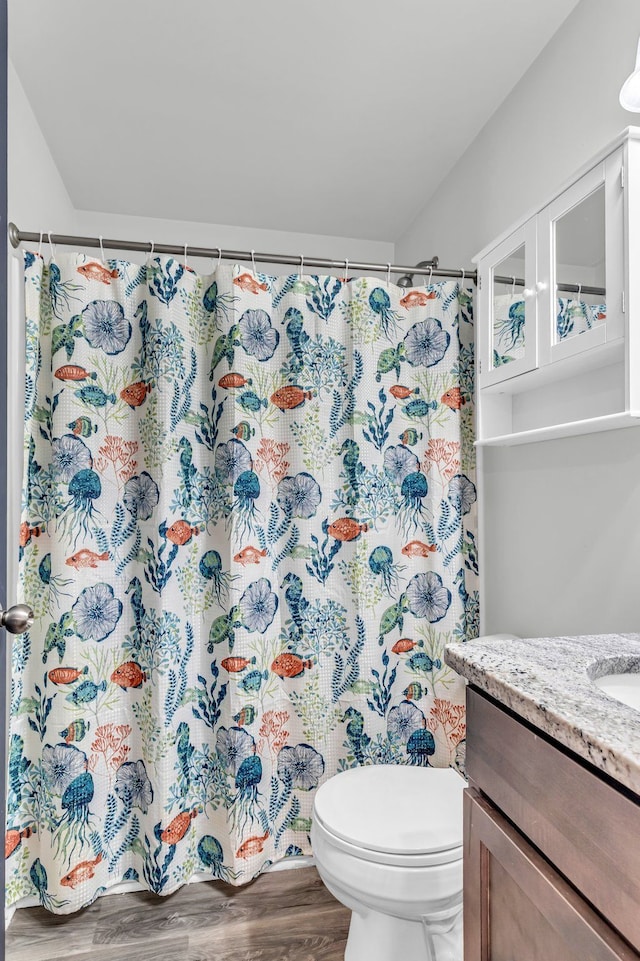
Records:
x=388, y=273
x=346, y=271
x=40, y=244
x=513, y=287
x=301, y=274
x=53, y=249
x=253, y=261
x=101, y=248
x=186, y=262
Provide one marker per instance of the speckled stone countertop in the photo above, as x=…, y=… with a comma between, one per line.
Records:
x=547, y=682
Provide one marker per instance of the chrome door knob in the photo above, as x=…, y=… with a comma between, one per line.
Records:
x=17, y=619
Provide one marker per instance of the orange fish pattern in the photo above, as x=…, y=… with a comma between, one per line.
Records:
x=288, y=398
x=86, y=558
x=235, y=664
x=26, y=533
x=249, y=555
x=403, y=645
x=13, y=837
x=417, y=298
x=453, y=398
x=94, y=271
x=233, y=380
x=178, y=827
x=419, y=549
x=129, y=674
x=67, y=675
x=181, y=533
x=82, y=872
x=347, y=529
x=73, y=372
x=249, y=284
x=290, y=665
x=402, y=392
x=226, y=617
x=253, y=845
x=135, y=394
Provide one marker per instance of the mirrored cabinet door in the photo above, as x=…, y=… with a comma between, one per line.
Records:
x=509, y=344
x=509, y=309
x=579, y=286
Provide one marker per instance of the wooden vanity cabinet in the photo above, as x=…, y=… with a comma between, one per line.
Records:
x=551, y=849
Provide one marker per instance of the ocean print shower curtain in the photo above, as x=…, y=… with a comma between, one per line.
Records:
x=247, y=534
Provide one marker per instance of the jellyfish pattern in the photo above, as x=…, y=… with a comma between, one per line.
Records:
x=248, y=532
x=573, y=317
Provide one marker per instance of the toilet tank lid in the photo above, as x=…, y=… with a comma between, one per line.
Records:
x=394, y=809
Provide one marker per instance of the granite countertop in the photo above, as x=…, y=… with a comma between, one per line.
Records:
x=547, y=682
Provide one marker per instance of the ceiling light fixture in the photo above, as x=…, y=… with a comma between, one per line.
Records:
x=630, y=92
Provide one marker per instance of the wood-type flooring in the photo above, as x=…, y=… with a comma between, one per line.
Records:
x=281, y=916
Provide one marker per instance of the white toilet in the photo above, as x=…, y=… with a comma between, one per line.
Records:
x=387, y=841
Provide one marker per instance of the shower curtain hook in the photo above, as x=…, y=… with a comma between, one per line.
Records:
x=346, y=271
x=388, y=273
x=186, y=263
x=301, y=274
x=253, y=261
x=462, y=278
x=40, y=244
x=513, y=287
x=151, y=251
x=579, y=292
x=428, y=282
x=53, y=249
x=101, y=248
x=219, y=258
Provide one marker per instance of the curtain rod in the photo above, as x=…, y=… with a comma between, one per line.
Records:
x=570, y=288
x=427, y=267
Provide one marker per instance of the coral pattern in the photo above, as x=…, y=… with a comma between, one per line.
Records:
x=248, y=531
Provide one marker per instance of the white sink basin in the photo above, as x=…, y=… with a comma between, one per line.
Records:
x=624, y=687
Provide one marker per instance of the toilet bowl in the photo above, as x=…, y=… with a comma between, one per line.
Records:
x=387, y=841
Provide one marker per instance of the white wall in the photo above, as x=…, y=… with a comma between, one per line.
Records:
x=561, y=518
x=92, y=223
x=38, y=199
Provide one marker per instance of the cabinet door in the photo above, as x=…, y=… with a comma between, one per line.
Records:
x=580, y=265
x=517, y=907
x=507, y=337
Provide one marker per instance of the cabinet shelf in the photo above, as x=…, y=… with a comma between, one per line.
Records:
x=589, y=425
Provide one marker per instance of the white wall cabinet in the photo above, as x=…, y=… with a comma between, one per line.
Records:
x=559, y=309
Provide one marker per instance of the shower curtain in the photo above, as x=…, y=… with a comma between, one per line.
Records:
x=248, y=530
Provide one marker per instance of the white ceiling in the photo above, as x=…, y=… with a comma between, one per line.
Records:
x=335, y=117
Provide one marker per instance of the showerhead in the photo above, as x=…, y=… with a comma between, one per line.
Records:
x=407, y=279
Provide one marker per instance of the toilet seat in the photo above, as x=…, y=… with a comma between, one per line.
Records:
x=394, y=814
